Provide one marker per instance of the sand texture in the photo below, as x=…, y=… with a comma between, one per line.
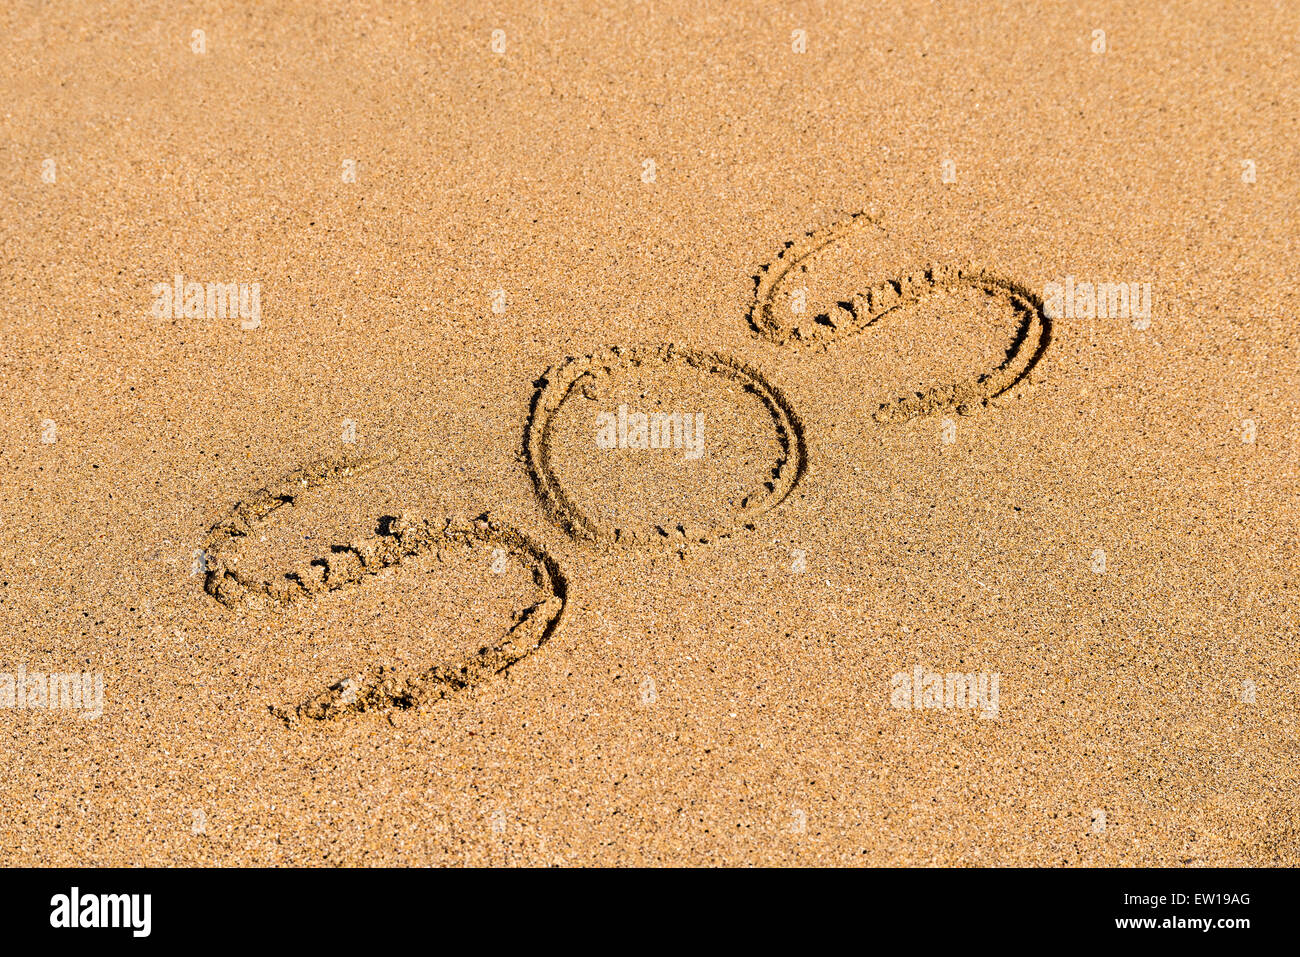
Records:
x=649, y=434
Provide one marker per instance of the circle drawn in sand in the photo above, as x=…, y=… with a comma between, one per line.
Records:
x=859, y=307
x=398, y=539
x=588, y=378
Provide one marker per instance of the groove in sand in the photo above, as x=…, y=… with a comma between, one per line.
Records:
x=866, y=304
x=399, y=537
x=557, y=385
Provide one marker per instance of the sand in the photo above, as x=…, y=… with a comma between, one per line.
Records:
x=913, y=463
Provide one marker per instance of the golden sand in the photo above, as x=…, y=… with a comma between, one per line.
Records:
x=364, y=583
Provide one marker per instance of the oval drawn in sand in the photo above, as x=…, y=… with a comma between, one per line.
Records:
x=859, y=306
x=398, y=543
x=643, y=446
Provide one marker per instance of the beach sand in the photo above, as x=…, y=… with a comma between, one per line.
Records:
x=470, y=244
